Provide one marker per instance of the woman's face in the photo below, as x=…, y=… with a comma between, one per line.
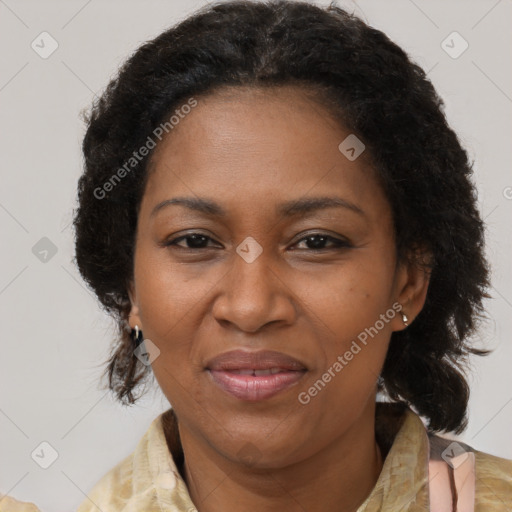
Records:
x=308, y=283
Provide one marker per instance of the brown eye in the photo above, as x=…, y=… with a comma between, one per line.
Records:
x=314, y=242
x=317, y=241
x=192, y=241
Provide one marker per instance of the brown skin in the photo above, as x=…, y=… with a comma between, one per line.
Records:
x=249, y=150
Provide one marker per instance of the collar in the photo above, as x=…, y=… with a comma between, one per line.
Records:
x=403, y=481
x=157, y=483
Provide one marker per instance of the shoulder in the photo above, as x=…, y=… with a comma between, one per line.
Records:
x=492, y=474
x=133, y=483
x=113, y=489
x=9, y=504
x=486, y=464
x=493, y=467
x=493, y=479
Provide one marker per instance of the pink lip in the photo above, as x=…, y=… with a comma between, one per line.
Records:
x=261, y=360
x=231, y=371
x=255, y=387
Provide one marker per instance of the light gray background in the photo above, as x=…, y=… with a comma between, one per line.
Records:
x=55, y=337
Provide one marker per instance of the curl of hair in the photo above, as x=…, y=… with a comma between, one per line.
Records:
x=372, y=87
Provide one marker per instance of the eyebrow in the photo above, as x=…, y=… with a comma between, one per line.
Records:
x=286, y=209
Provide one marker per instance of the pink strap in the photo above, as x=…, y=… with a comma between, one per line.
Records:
x=451, y=459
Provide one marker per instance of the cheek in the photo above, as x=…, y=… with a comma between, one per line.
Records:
x=167, y=291
x=352, y=296
x=353, y=362
x=168, y=306
x=354, y=303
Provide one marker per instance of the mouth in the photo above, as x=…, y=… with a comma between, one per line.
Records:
x=254, y=385
x=255, y=376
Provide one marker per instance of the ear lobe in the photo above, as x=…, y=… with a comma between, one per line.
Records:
x=134, y=318
x=413, y=280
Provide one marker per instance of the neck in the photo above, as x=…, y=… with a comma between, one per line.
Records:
x=338, y=477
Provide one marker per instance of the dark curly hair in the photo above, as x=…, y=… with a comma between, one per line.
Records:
x=371, y=86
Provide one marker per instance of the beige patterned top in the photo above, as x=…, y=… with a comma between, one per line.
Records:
x=148, y=480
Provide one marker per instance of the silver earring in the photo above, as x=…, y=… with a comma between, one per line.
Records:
x=405, y=319
x=137, y=336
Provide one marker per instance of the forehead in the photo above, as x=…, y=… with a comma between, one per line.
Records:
x=253, y=146
x=237, y=122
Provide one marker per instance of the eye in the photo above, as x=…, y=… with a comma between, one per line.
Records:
x=317, y=241
x=314, y=241
x=192, y=241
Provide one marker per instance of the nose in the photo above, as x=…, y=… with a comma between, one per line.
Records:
x=253, y=294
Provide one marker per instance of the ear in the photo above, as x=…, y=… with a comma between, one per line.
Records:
x=134, y=316
x=412, y=279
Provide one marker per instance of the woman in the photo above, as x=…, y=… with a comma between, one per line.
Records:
x=283, y=224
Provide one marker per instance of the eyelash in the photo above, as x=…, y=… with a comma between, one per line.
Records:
x=339, y=243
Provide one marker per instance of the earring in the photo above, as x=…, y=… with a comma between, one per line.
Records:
x=405, y=319
x=137, y=336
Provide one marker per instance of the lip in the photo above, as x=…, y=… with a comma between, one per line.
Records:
x=254, y=376
x=261, y=360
